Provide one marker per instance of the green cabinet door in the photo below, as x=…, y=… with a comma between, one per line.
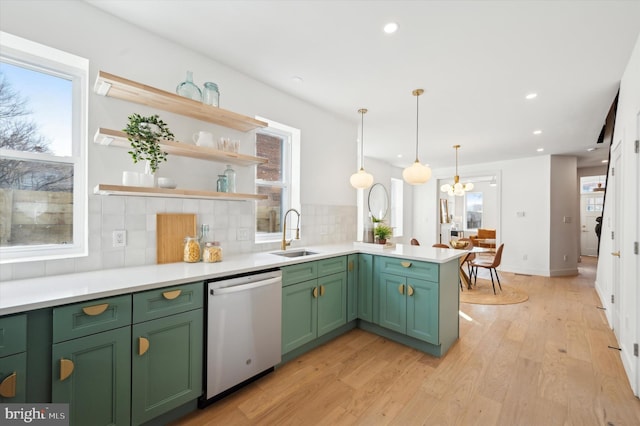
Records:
x=365, y=287
x=93, y=375
x=393, y=309
x=13, y=379
x=332, y=302
x=166, y=364
x=299, y=315
x=352, y=287
x=422, y=310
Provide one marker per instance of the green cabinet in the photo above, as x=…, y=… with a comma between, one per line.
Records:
x=166, y=364
x=407, y=304
x=352, y=287
x=365, y=287
x=93, y=375
x=13, y=359
x=128, y=359
x=314, y=300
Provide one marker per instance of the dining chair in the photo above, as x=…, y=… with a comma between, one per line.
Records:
x=438, y=245
x=470, y=257
x=415, y=242
x=491, y=265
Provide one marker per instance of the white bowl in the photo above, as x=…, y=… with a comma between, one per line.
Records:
x=165, y=182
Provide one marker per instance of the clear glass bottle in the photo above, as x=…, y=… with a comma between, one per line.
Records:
x=211, y=94
x=231, y=178
x=188, y=89
x=204, y=237
x=221, y=184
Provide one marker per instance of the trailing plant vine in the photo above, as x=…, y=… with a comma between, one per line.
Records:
x=144, y=133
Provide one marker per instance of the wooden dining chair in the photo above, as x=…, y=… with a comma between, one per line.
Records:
x=491, y=265
x=438, y=245
x=470, y=257
x=415, y=242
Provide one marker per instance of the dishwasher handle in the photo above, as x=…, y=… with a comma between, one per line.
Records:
x=244, y=287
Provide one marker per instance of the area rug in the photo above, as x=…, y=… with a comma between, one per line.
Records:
x=482, y=294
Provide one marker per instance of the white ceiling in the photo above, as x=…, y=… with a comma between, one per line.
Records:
x=476, y=61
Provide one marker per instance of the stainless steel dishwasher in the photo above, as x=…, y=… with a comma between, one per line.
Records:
x=244, y=316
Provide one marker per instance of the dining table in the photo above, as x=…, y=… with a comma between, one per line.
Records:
x=463, y=274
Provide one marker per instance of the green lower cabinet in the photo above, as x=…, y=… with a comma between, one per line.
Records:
x=299, y=315
x=365, y=287
x=93, y=375
x=409, y=306
x=166, y=364
x=13, y=379
x=332, y=302
x=352, y=287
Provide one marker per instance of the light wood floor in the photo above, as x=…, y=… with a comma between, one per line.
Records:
x=542, y=362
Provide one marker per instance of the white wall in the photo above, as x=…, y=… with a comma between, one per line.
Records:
x=626, y=132
x=328, y=143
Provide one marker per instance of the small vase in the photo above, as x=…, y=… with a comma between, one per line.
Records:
x=147, y=179
x=188, y=89
x=382, y=241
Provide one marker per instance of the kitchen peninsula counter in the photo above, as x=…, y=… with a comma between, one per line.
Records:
x=35, y=293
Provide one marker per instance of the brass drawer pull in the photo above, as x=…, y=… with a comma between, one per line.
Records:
x=8, y=386
x=143, y=345
x=95, y=309
x=401, y=289
x=321, y=290
x=315, y=292
x=405, y=264
x=410, y=290
x=170, y=295
x=66, y=368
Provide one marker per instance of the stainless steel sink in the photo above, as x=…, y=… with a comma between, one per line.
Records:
x=294, y=253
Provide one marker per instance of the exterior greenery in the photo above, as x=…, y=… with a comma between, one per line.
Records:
x=144, y=133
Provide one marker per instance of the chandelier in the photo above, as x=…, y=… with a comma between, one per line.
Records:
x=457, y=188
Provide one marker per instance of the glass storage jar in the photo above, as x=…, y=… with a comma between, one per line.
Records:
x=191, y=249
x=211, y=95
x=221, y=185
x=231, y=178
x=212, y=252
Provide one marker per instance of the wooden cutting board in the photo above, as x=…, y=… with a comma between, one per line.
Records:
x=171, y=228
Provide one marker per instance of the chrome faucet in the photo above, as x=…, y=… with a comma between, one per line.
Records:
x=284, y=244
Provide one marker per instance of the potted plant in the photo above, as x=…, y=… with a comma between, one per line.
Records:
x=145, y=133
x=383, y=232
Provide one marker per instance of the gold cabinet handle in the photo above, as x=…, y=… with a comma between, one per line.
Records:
x=410, y=290
x=406, y=264
x=8, y=386
x=616, y=253
x=315, y=292
x=350, y=265
x=401, y=288
x=170, y=295
x=66, y=368
x=95, y=309
x=143, y=345
x=321, y=290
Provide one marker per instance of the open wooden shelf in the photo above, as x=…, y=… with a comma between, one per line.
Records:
x=119, y=139
x=117, y=87
x=139, y=191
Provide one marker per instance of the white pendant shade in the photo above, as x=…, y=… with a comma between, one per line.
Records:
x=361, y=179
x=416, y=174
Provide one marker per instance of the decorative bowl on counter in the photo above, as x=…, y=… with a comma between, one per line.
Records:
x=165, y=182
x=457, y=244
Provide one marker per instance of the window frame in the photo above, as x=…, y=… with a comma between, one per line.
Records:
x=40, y=58
x=290, y=173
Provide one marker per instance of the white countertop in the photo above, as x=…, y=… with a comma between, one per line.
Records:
x=35, y=293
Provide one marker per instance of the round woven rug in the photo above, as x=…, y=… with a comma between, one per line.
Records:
x=482, y=294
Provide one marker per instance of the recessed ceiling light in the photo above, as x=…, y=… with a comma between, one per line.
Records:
x=537, y=132
x=605, y=161
x=391, y=28
x=297, y=79
x=531, y=96
x=540, y=149
x=591, y=149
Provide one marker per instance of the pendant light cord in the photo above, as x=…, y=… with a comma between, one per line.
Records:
x=362, y=112
x=417, y=120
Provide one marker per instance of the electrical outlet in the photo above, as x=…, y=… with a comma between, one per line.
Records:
x=119, y=238
x=242, y=234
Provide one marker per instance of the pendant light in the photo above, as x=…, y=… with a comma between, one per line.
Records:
x=457, y=188
x=361, y=179
x=417, y=174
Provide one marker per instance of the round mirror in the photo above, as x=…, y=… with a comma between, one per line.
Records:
x=378, y=202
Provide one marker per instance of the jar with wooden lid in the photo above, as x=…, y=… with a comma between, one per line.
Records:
x=191, y=249
x=212, y=252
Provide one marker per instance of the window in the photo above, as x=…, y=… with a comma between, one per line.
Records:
x=397, y=200
x=279, y=178
x=592, y=184
x=473, y=210
x=43, y=114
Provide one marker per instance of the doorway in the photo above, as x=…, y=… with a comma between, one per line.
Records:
x=590, y=211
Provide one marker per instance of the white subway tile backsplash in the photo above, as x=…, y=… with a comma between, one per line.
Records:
x=113, y=206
